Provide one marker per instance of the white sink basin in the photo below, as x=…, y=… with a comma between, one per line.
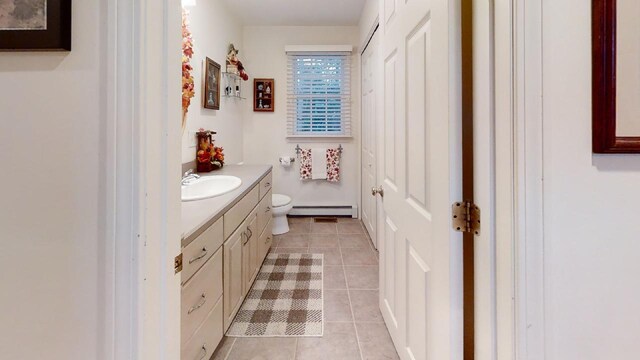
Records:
x=209, y=186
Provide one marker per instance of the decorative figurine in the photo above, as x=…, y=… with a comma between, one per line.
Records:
x=234, y=65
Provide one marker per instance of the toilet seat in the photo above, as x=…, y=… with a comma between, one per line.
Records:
x=279, y=200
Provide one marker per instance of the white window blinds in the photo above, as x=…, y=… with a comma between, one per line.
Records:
x=319, y=94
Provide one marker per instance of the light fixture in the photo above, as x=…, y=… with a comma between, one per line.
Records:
x=188, y=3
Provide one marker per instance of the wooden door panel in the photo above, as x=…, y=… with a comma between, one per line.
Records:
x=419, y=168
x=417, y=151
x=390, y=106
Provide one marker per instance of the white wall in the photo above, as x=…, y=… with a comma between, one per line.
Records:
x=52, y=163
x=367, y=20
x=214, y=27
x=591, y=247
x=265, y=134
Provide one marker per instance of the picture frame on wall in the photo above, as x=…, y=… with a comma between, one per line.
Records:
x=615, y=77
x=35, y=25
x=211, y=85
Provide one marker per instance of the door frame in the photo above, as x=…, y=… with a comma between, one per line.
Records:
x=141, y=293
x=510, y=305
x=516, y=58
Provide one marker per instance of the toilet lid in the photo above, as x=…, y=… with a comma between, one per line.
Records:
x=280, y=200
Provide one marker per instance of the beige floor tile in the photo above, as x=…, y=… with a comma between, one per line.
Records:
x=359, y=256
x=350, y=228
x=318, y=240
x=263, y=349
x=353, y=240
x=348, y=220
x=299, y=220
x=299, y=228
x=331, y=255
x=375, y=342
x=362, y=277
x=223, y=348
x=323, y=228
x=365, y=305
x=293, y=240
x=334, y=278
x=280, y=250
x=338, y=343
x=336, y=306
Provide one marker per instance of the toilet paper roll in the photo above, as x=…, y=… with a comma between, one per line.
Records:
x=285, y=161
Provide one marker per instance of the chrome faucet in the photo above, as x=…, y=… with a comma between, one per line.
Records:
x=188, y=177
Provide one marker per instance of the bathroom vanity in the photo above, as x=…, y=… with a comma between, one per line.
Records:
x=224, y=242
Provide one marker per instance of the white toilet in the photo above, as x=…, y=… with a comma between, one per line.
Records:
x=280, y=207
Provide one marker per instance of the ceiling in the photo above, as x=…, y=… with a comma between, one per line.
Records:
x=297, y=12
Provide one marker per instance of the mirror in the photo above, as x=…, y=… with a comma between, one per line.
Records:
x=616, y=76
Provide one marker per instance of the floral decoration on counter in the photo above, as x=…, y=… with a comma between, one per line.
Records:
x=188, y=84
x=208, y=157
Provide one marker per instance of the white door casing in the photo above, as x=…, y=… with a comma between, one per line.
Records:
x=142, y=62
x=370, y=113
x=421, y=167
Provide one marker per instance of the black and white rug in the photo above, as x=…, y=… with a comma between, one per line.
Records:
x=286, y=299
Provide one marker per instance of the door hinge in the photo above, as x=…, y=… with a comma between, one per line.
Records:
x=466, y=217
x=177, y=263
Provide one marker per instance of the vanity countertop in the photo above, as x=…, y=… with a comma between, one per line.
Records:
x=198, y=215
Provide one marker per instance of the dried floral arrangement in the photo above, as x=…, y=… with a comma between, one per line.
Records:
x=188, y=84
x=209, y=157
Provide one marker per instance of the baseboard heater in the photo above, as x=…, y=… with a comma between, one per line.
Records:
x=325, y=211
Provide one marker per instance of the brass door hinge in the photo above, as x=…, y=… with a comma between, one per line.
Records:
x=466, y=217
x=177, y=263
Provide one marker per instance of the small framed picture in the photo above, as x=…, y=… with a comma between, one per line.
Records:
x=211, y=85
x=35, y=25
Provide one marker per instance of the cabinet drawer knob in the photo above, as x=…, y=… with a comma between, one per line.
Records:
x=197, y=306
x=204, y=253
x=268, y=209
x=267, y=184
x=204, y=352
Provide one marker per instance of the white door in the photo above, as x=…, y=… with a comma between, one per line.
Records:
x=420, y=168
x=370, y=91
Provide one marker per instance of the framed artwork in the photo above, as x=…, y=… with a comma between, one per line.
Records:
x=211, y=86
x=35, y=25
x=616, y=76
x=264, y=95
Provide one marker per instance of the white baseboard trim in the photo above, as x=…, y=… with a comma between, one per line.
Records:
x=325, y=211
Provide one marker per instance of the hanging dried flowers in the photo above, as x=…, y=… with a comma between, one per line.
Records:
x=188, y=85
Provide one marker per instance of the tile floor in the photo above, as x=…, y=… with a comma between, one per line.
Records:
x=354, y=329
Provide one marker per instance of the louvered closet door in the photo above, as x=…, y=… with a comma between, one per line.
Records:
x=420, y=168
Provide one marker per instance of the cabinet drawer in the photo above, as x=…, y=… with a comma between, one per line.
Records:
x=236, y=215
x=200, y=294
x=265, y=184
x=207, y=337
x=201, y=249
x=264, y=212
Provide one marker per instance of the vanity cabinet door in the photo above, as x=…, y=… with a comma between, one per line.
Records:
x=250, y=250
x=266, y=240
x=233, y=277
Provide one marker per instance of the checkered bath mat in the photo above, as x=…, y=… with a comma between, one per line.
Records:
x=285, y=300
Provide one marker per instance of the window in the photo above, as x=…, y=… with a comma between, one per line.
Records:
x=319, y=94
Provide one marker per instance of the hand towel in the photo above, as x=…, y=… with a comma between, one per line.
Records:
x=305, y=164
x=333, y=165
x=319, y=164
